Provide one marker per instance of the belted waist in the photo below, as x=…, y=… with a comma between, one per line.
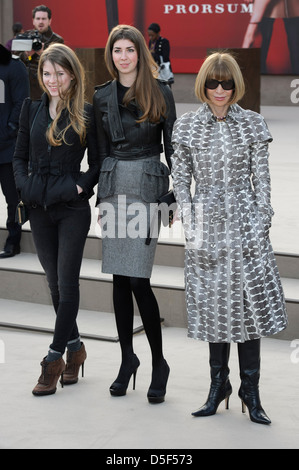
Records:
x=135, y=153
x=53, y=168
x=222, y=189
x=217, y=207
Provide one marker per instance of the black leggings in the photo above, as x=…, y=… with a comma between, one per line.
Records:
x=123, y=289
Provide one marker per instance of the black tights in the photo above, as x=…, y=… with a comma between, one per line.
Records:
x=123, y=289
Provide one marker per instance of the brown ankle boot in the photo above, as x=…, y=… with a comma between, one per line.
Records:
x=51, y=371
x=74, y=359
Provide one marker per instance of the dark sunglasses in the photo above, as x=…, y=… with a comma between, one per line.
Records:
x=212, y=84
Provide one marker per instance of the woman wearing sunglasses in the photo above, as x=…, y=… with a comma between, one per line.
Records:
x=233, y=288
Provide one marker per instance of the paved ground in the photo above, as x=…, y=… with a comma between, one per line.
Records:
x=85, y=416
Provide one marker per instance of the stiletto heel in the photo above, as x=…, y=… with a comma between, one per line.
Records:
x=227, y=403
x=74, y=360
x=157, y=390
x=243, y=407
x=120, y=385
x=134, y=379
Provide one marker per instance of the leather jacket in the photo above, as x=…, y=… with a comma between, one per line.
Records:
x=120, y=135
x=45, y=174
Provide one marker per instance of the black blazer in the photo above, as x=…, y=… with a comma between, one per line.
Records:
x=44, y=174
x=162, y=48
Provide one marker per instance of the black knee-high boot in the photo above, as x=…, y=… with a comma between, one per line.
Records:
x=220, y=388
x=249, y=362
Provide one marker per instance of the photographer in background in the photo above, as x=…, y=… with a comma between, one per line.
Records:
x=14, y=88
x=42, y=17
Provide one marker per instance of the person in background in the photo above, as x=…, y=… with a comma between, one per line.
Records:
x=41, y=19
x=14, y=88
x=233, y=288
x=54, y=134
x=16, y=29
x=159, y=47
x=133, y=112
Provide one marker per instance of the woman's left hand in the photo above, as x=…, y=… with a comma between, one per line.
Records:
x=80, y=190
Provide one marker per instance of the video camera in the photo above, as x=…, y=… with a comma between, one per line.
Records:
x=28, y=41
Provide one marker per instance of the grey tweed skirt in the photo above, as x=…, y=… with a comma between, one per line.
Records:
x=128, y=214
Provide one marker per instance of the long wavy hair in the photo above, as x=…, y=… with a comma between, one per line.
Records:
x=145, y=90
x=72, y=100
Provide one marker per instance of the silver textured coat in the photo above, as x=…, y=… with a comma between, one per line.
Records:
x=233, y=288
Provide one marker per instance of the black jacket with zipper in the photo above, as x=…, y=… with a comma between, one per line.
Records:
x=46, y=174
x=120, y=134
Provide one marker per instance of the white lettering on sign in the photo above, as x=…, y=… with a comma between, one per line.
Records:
x=206, y=8
x=295, y=93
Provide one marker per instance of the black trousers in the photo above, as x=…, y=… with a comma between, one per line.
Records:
x=11, y=196
x=59, y=235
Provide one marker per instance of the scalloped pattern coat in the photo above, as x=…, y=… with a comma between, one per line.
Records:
x=233, y=288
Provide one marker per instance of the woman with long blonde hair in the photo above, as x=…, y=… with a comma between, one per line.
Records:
x=54, y=135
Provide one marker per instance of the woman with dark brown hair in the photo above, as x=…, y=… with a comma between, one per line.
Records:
x=133, y=112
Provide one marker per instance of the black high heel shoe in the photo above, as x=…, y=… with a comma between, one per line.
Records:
x=120, y=385
x=157, y=390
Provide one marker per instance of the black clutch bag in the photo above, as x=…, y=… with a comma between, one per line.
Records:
x=21, y=213
x=167, y=206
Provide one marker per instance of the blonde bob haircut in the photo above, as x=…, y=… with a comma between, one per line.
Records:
x=220, y=66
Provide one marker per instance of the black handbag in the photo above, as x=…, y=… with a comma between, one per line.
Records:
x=167, y=206
x=22, y=214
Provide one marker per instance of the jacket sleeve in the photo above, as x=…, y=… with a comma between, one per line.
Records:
x=259, y=163
x=182, y=171
x=163, y=50
x=103, y=144
x=19, y=91
x=89, y=179
x=21, y=154
x=168, y=123
x=261, y=180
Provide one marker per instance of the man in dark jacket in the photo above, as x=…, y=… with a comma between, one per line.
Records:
x=14, y=88
x=42, y=17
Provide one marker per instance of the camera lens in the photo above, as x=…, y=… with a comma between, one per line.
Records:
x=37, y=44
